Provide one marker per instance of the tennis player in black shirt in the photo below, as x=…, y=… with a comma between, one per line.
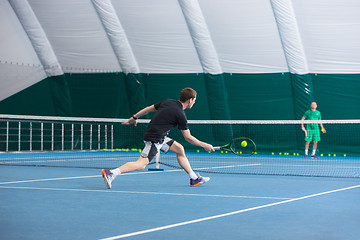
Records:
x=169, y=113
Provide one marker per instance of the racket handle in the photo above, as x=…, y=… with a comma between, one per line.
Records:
x=217, y=148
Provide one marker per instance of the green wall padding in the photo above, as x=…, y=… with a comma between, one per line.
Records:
x=276, y=96
x=218, y=105
x=99, y=95
x=61, y=95
x=161, y=86
x=337, y=95
x=303, y=93
x=135, y=92
x=34, y=100
x=260, y=96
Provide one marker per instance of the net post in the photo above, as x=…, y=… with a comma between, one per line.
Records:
x=99, y=135
x=7, y=136
x=42, y=135
x=112, y=136
x=105, y=136
x=91, y=131
x=52, y=137
x=31, y=136
x=19, y=137
x=62, y=137
x=81, y=136
x=72, y=136
x=157, y=164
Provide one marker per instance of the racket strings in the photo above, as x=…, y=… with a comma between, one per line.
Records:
x=241, y=146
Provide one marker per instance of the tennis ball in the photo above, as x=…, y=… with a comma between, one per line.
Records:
x=244, y=143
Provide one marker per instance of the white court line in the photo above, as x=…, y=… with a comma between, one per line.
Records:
x=225, y=214
x=150, y=193
x=132, y=173
x=66, y=178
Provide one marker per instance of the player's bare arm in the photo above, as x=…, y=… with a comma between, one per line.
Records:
x=194, y=141
x=139, y=114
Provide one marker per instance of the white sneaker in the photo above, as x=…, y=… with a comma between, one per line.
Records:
x=108, y=177
x=200, y=180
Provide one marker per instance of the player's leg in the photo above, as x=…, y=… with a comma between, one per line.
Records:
x=316, y=139
x=195, y=178
x=148, y=153
x=110, y=175
x=313, y=154
x=181, y=156
x=307, y=144
x=140, y=164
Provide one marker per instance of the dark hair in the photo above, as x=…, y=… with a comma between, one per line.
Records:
x=186, y=94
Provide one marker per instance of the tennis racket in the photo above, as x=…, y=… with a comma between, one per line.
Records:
x=241, y=146
x=306, y=133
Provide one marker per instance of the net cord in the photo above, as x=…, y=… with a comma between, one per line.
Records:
x=120, y=120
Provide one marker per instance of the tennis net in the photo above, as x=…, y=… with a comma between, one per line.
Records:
x=105, y=143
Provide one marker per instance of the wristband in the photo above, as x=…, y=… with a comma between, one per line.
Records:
x=134, y=117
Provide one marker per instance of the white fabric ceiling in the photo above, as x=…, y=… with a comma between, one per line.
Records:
x=177, y=36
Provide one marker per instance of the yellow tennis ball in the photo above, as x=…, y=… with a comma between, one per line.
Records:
x=244, y=143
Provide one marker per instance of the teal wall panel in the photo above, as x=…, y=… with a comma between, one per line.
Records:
x=276, y=96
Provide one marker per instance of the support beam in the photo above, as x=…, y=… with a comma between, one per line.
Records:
x=116, y=35
x=201, y=36
x=214, y=80
x=295, y=55
x=123, y=53
x=37, y=37
x=58, y=82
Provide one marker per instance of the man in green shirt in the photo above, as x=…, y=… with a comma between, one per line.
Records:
x=312, y=132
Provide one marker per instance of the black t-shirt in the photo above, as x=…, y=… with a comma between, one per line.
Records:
x=169, y=113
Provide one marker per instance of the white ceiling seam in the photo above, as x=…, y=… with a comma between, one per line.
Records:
x=37, y=37
x=117, y=36
x=201, y=36
x=290, y=36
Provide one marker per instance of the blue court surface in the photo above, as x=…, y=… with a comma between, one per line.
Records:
x=72, y=203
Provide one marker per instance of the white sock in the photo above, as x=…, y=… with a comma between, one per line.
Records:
x=313, y=152
x=306, y=152
x=193, y=175
x=116, y=172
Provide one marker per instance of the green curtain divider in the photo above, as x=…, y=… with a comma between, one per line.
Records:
x=337, y=95
x=34, y=100
x=135, y=91
x=268, y=96
x=218, y=105
x=99, y=95
x=136, y=97
x=61, y=95
x=303, y=95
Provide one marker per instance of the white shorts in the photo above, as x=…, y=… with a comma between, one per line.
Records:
x=151, y=149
